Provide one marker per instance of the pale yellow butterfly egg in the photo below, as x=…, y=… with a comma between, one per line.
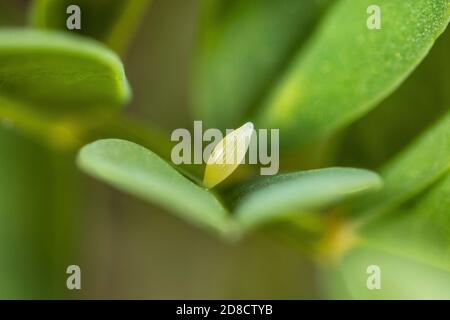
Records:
x=227, y=155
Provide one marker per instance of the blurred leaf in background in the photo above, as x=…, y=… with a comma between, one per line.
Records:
x=74, y=77
x=402, y=278
x=419, y=230
x=37, y=203
x=241, y=49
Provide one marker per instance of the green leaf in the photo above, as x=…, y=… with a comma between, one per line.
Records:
x=50, y=79
x=300, y=192
x=25, y=211
x=419, y=102
x=420, y=231
x=139, y=171
x=417, y=235
x=112, y=22
x=242, y=45
x=58, y=74
x=413, y=170
x=348, y=69
x=400, y=278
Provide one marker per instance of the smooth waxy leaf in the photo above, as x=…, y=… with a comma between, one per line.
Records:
x=420, y=231
x=414, y=169
x=400, y=278
x=59, y=74
x=300, y=192
x=112, y=22
x=347, y=69
x=242, y=45
x=416, y=236
x=419, y=102
x=139, y=171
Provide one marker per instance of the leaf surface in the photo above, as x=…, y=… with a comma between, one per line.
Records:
x=136, y=170
x=58, y=74
x=419, y=231
x=300, y=192
x=420, y=101
x=413, y=170
x=400, y=278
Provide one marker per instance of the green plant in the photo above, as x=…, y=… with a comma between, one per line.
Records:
x=67, y=90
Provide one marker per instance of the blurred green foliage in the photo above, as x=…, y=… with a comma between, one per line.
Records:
x=347, y=69
x=255, y=37
x=59, y=73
